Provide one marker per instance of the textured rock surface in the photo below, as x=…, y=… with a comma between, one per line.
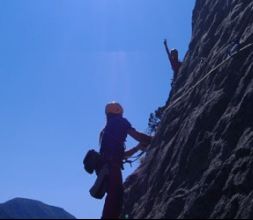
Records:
x=30, y=209
x=200, y=164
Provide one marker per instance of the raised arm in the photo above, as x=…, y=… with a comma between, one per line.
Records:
x=166, y=47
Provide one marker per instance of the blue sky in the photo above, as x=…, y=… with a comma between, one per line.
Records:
x=61, y=61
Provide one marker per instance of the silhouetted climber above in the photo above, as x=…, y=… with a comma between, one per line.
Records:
x=112, y=139
x=174, y=61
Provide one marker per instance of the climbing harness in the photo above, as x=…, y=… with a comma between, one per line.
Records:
x=233, y=53
x=131, y=159
x=93, y=161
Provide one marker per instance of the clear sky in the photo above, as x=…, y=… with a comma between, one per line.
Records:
x=61, y=61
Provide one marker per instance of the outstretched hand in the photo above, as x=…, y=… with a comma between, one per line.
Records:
x=143, y=146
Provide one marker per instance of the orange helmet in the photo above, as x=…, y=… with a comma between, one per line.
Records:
x=114, y=108
x=174, y=52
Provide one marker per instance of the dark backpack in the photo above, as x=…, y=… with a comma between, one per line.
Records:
x=93, y=161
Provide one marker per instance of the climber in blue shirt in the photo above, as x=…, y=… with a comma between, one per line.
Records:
x=112, y=139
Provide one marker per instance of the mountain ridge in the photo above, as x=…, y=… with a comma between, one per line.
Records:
x=21, y=208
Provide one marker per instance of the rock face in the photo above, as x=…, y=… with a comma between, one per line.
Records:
x=200, y=164
x=30, y=209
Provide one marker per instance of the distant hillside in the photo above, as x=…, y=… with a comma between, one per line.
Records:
x=30, y=209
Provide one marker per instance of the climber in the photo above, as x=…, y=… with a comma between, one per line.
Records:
x=112, y=139
x=174, y=61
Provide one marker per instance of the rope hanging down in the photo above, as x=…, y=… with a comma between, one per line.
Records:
x=207, y=75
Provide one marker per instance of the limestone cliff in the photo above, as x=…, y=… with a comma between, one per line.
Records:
x=200, y=164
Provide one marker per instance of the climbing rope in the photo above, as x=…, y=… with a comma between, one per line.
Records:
x=233, y=52
x=133, y=159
